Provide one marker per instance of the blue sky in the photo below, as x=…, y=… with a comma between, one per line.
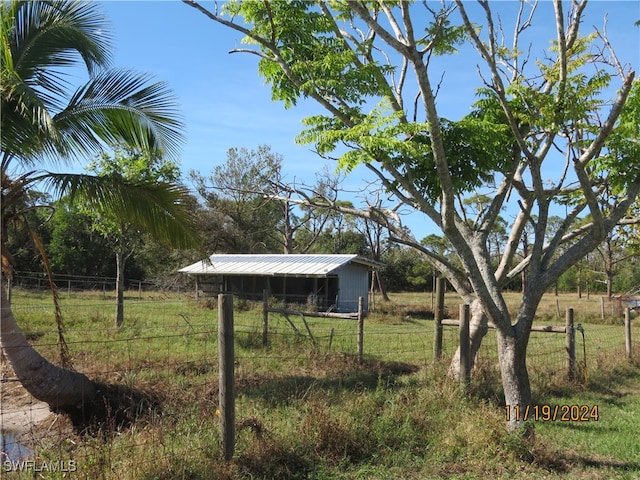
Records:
x=226, y=104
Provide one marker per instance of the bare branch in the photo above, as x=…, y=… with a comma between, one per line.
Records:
x=606, y=128
x=496, y=84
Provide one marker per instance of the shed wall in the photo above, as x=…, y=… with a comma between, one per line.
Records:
x=354, y=283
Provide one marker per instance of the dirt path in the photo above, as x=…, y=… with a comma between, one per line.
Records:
x=19, y=411
x=21, y=416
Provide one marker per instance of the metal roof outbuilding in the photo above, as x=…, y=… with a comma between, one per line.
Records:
x=306, y=265
x=337, y=281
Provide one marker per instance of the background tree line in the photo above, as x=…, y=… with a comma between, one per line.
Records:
x=371, y=69
x=242, y=207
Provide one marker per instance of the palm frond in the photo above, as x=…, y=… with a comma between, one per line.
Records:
x=121, y=107
x=26, y=123
x=159, y=208
x=42, y=115
x=40, y=39
x=53, y=34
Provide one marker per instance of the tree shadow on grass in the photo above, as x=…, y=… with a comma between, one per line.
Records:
x=282, y=390
x=615, y=465
x=565, y=462
x=605, y=386
x=116, y=408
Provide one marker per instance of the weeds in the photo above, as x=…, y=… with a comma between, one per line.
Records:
x=306, y=412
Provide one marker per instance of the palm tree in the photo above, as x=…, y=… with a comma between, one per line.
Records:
x=47, y=120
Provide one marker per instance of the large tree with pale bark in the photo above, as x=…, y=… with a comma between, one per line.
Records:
x=554, y=122
x=47, y=120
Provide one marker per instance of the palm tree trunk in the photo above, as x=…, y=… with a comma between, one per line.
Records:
x=62, y=389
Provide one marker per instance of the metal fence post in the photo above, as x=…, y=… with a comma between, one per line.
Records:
x=438, y=315
x=360, y=329
x=570, y=333
x=226, y=394
x=265, y=317
x=465, y=357
x=627, y=333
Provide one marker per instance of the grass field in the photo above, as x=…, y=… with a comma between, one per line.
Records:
x=308, y=410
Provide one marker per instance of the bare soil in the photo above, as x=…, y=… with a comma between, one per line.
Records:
x=28, y=420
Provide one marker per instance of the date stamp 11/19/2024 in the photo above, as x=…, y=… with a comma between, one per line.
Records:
x=553, y=413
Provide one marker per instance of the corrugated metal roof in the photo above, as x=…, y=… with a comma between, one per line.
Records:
x=271, y=264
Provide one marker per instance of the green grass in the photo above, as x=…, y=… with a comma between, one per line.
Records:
x=313, y=412
x=611, y=442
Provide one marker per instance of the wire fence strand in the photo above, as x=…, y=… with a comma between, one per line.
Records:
x=166, y=353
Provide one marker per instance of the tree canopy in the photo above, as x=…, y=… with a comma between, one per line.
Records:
x=373, y=68
x=47, y=119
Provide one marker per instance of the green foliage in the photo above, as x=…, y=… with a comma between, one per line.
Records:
x=135, y=166
x=442, y=37
x=159, y=208
x=237, y=214
x=475, y=147
x=132, y=167
x=27, y=216
x=337, y=241
x=475, y=150
x=574, y=100
x=627, y=277
x=620, y=160
x=340, y=71
x=46, y=117
x=38, y=39
x=323, y=65
x=405, y=269
x=74, y=247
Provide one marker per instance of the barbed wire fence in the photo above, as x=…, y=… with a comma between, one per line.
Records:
x=164, y=361
x=172, y=284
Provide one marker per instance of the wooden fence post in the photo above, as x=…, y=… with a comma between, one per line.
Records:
x=360, y=329
x=226, y=394
x=265, y=317
x=438, y=315
x=570, y=333
x=465, y=357
x=627, y=332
